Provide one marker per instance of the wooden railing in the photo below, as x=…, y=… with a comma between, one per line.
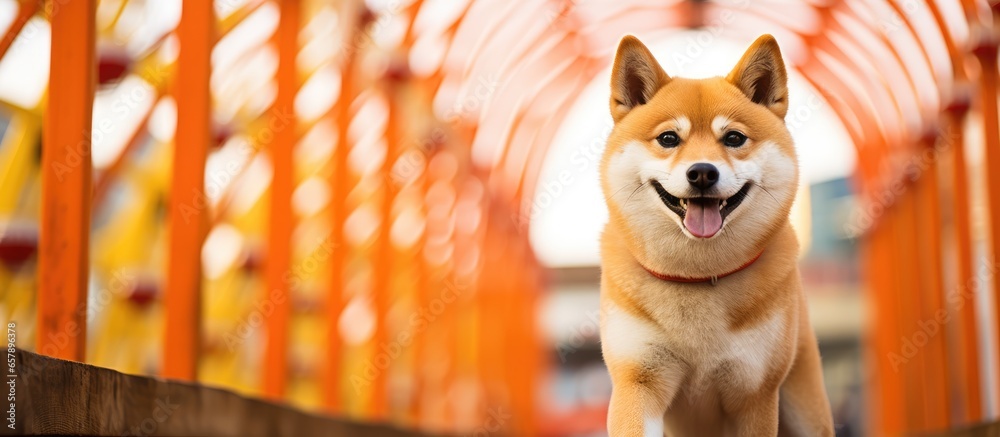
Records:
x=58, y=397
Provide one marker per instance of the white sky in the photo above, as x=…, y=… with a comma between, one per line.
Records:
x=568, y=215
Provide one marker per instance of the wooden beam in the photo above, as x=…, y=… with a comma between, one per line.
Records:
x=66, y=179
x=188, y=215
x=56, y=397
x=282, y=221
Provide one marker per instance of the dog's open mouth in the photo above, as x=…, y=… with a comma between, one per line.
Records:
x=702, y=216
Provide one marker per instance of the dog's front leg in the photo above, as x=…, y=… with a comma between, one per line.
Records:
x=640, y=396
x=753, y=416
x=645, y=375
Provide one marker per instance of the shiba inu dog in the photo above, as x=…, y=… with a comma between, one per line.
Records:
x=704, y=326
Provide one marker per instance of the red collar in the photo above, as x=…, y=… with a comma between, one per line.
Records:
x=713, y=279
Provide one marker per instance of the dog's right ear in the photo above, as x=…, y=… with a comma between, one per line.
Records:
x=635, y=77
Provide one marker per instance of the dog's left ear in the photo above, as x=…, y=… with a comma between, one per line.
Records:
x=761, y=76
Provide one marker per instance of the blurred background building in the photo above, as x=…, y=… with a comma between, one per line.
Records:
x=389, y=209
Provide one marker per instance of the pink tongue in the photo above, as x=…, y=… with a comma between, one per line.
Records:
x=703, y=217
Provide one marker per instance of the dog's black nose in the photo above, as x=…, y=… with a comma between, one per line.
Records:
x=703, y=175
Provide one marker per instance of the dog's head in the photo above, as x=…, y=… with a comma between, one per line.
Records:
x=705, y=165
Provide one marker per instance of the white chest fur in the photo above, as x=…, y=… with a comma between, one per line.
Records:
x=701, y=338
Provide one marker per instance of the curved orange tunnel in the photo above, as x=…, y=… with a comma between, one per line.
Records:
x=329, y=203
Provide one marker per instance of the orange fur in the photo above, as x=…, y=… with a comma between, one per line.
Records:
x=697, y=358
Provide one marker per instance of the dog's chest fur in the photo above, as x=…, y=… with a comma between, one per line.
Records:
x=695, y=327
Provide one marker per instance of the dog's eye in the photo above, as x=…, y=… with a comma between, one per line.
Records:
x=669, y=139
x=734, y=139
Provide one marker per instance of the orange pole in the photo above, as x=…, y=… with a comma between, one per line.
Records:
x=909, y=306
x=418, y=371
x=927, y=208
x=182, y=342
x=448, y=335
x=511, y=346
x=63, y=261
x=883, y=265
x=968, y=345
x=281, y=220
x=339, y=188
x=421, y=297
x=520, y=343
x=891, y=415
x=986, y=52
x=383, y=258
x=490, y=336
x=26, y=10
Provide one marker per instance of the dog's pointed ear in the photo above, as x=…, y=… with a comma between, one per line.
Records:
x=761, y=76
x=635, y=77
